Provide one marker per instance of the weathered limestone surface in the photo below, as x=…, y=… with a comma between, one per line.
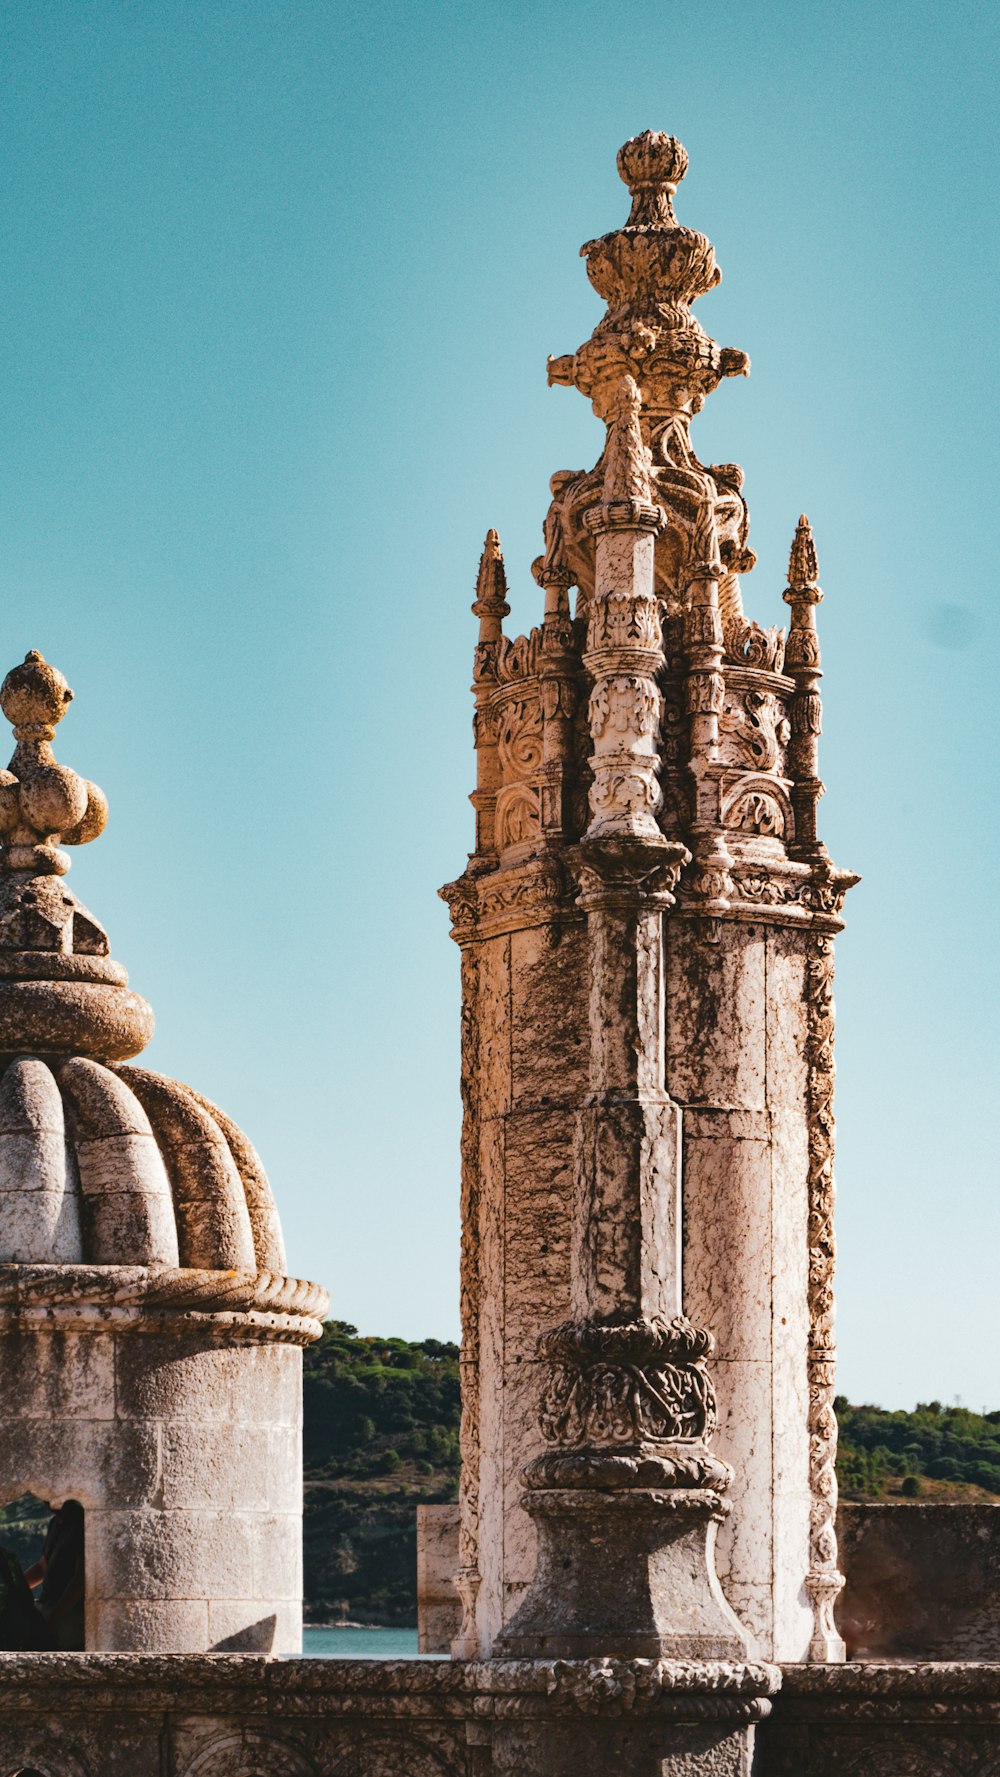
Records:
x=150, y=1361
x=528, y=998
x=898, y=1720
x=737, y=1062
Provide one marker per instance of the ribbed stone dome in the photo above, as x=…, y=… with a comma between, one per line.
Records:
x=105, y=1165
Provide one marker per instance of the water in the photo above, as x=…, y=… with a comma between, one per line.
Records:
x=359, y=1644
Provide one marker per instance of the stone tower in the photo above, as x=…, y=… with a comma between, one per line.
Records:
x=646, y=927
x=150, y=1360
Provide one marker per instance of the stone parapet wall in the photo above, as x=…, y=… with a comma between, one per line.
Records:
x=119, y=1715
x=884, y=1721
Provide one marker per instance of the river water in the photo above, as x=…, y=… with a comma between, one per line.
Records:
x=360, y=1644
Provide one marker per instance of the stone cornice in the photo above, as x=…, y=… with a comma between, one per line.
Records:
x=780, y=892
x=406, y=1690
x=530, y=894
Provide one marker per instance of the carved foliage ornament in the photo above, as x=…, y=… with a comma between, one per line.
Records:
x=755, y=729
x=625, y=704
x=519, y=739
x=620, y=620
x=760, y=806
x=518, y=816
x=750, y=645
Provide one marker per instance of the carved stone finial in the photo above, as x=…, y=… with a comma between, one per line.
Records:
x=60, y=991
x=42, y=803
x=491, y=580
x=652, y=165
x=649, y=347
x=626, y=457
x=803, y=568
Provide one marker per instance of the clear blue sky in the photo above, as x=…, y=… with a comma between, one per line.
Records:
x=278, y=285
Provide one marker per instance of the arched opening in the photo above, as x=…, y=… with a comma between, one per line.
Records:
x=42, y=1576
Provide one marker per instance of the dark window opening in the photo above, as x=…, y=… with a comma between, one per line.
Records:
x=42, y=1578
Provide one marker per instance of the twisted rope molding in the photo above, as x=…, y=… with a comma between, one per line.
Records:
x=122, y=1297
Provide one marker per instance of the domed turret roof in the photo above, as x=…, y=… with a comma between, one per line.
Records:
x=120, y=1166
x=104, y=1165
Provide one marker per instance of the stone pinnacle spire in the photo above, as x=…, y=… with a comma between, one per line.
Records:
x=803, y=567
x=491, y=580
x=60, y=991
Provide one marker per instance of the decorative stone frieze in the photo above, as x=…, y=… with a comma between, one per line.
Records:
x=127, y=1716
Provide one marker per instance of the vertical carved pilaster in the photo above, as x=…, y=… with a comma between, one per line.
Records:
x=705, y=690
x=824, y=1581
x=467, y=1579
x=802, y=663
x=624, y=645
x=558, y=671
x=491, y=608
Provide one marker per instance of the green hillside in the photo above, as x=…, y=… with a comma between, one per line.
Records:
x=381, y=1438
x=935, y=1452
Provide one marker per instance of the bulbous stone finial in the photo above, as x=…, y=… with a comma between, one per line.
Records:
x=42, y=803
x=60, y=991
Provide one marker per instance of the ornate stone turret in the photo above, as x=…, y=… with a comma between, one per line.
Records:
x=647, y=1065
x=149, y=1363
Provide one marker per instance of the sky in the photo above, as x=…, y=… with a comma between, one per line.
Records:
x=278, y=286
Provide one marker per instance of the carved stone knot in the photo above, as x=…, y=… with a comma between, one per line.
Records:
x=629, y=1384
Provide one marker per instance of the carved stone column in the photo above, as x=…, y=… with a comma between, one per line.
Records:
x=558, y=673
x=705, y=690
x=802, y=664
x=627, y=1496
